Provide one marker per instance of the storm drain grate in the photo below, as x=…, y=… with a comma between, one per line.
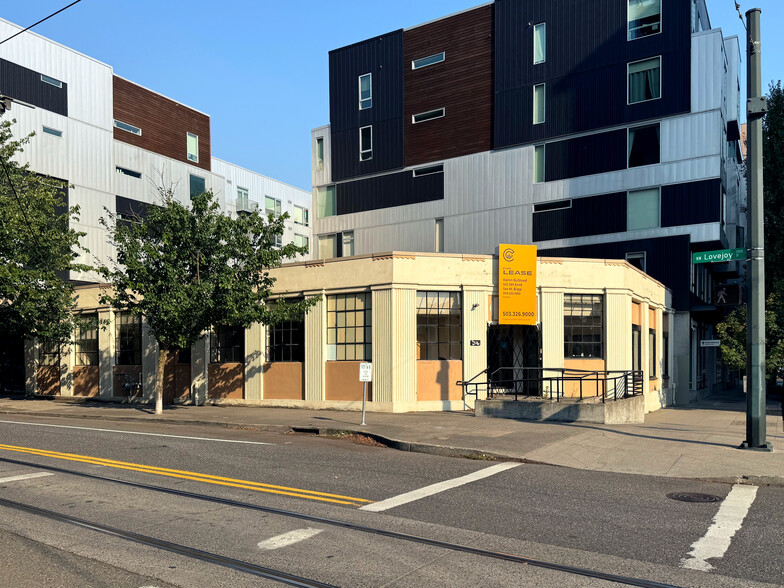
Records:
x=693, y=497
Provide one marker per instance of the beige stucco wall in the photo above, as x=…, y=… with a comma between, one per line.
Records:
x=394, y=280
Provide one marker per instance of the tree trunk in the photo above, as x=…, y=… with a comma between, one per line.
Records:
x=163, y=357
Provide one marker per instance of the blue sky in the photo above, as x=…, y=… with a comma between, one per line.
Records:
x=260, y=68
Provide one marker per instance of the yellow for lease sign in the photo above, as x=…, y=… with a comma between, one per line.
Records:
x=517, y=285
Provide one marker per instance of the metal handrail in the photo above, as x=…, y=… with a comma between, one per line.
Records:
x=609, y=384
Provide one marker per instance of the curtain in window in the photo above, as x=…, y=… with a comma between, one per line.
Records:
x=644, y=146
x=643, y=210
x=328, y=247
x=327, y=205
x=644, y=80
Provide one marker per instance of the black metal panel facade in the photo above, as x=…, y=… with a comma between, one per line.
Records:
x=383, y=58
x=691, y=204
x=387, y=191
x=587, y=155
x=130, y=209
x=25, y=84
x=585, y=71
x=595, y=215
x=668, y=260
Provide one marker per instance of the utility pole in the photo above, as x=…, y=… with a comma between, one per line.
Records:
x=756, y=108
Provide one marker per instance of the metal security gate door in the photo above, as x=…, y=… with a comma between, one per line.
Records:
x=510, y=348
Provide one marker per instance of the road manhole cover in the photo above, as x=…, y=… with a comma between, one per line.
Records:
x=693, y=497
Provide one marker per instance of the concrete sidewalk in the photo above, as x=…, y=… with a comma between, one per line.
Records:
x=700, y=441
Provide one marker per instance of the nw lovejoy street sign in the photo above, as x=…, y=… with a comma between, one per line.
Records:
x=719, y=256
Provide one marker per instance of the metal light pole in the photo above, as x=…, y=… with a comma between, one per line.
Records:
x=756, y=108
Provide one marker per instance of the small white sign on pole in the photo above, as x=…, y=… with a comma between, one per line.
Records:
x=710, y=343
x=365, y=372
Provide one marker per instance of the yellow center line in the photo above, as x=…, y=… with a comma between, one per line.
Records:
x=186, y=475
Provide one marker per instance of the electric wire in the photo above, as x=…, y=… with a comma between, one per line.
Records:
x=39, y=22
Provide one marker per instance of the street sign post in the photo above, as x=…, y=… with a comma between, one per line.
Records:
x=365, y=376
x=721, y=256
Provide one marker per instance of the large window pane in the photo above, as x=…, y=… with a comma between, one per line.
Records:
x=286, y=340
x=643, y=210
x=644, y=18
x=328, y=246
x=644, y=146
x=272, y=205
x=349, y=319
x=198, y=186
x=227, y=345
x=365, y=143
x=128, y=339
x=348, y=244
x=327, y=202
x=193, y=147
x=365, y=91
x=583, y=326
x=539, y=100
x=539, y=43
x=439, y=326
x=645, y=80
x=86, y=340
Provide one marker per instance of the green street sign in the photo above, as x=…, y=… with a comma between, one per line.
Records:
x=722, y=256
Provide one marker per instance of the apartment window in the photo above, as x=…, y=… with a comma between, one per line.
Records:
x=583, y=325
x=86, y=340
x=272, y=205
x=439, y=235
x=644, y=146
x=365, y=91
x=51, y=131
x=644, y=80
x=652, y=353
x=539, y=97
x=539, y=154
x=128, y=172
x=349, y=327
x=301, y=240
x=348, y=244
x=328, y=246
x=429, y=115
x=227, y=345
x=365, y=143
x=429, y=170
x=327, y=201
x=51, y=81
x=193, y=147
x=429, y=60
x=301, y=216
x=49, y=353
x=128, y=339
x=638, y=259
x=198, y=186
x=439, y=326
x=644, y=18
x=126, y=127
x=320, y=153
x=550, y=206
x=540, y=46
x=643, y=210
x=278, y=241
x=243, y=198
x=286, y=340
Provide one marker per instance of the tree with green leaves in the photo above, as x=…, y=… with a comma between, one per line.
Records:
x=732, y=333
x=38, y=249
x=189, y=269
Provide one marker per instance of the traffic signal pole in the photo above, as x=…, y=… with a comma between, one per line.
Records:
x=756, y=107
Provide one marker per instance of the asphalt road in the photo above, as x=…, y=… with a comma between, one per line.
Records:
x=611, y=523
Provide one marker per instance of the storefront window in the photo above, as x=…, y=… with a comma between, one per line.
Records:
x=439, y=326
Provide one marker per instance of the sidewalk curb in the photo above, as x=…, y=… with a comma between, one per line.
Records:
x=389, y=442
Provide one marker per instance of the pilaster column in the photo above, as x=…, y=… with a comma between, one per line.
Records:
x=254, y=362
x=200, y=362
x=106, y=329
x=315, y=349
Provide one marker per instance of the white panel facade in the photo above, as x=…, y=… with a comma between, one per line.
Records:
x=322, y=168
x=707, y=70
x=89, y=81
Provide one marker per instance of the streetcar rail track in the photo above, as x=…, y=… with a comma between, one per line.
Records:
x=578, y=571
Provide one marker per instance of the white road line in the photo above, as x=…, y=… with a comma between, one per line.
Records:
x=288, y=539
x=726, y=523
x=439, y=487
x=25, y=477
x=136, y=433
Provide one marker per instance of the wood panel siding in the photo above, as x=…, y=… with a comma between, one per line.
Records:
x=462, y=84
x=226, y=381
x=342, y=382
x=284, y=381
x=165, y=124
x=437, y=380
x=48, y=380
x=86, y=380
x=131, y=374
